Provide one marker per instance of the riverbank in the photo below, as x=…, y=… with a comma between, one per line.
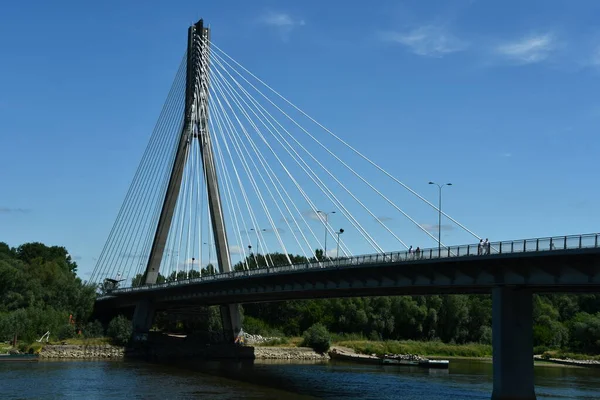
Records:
x=103, y=351
x=288, y=353
x=424, y=349
x=568, y=361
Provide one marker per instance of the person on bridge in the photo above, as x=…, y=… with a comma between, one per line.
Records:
x=486, y=246
x=480, y=247
x=410, y=252
x=418, y=252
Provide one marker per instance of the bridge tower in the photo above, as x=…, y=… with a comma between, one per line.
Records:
x=195, y=127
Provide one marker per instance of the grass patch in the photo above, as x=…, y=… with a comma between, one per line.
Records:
x=279, y=342
x=83, y=341
x=282, y=342
x=347, y=337
x=416, y=347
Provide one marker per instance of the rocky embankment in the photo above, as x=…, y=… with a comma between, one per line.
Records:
x=569, y=361
x=253, y=340
x=405, y=357
x=82, y=351
x=288, y=353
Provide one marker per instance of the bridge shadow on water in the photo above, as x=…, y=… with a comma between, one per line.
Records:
x=332, y=380
x=466, y=379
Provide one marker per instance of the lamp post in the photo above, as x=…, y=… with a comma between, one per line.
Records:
x=209, y=248
x=440, y=215
x=250, y=252
x=326, y=214
x=256, y=250
x=254, y=230
x=337, y=255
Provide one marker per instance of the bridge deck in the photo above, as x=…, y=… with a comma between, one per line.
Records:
x=573, y=264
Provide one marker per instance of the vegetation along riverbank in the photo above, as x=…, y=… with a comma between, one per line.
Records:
x=40, y=292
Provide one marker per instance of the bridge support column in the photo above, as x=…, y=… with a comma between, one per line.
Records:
x=232, y=321
x=143, y=316
x=512, y=341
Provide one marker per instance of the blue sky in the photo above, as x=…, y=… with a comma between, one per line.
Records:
x=500, y=98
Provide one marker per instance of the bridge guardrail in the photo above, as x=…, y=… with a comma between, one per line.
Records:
x=556, y=243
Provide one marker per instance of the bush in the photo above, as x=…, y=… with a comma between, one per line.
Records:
x=485, y=334
x=35, y=348
x=67, y=331
x=93, y=330
x=119, y=330
x=317, y=337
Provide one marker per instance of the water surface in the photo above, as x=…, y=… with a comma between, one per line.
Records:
x=466, y=379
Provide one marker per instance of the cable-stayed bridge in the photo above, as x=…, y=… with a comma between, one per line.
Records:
x=239, y=193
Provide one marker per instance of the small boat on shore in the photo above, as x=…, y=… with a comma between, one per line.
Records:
x=354, y=357
x=439, y=364
x=392, y=361
x=400, y=360
x=19, y=357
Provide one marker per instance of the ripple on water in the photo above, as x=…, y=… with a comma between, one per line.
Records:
x=466, y=379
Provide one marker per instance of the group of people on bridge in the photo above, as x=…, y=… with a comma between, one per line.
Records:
x=483, y=247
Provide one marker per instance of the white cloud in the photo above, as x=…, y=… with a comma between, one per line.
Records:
x=333, y=252
x=235, y=249
x=428, y=40
x=280, y=19
x=283, y=22
x=506, y=155
x=315, y=216
x=528, y=50
x=10, y=210
x=434, y=227
x=383, y=218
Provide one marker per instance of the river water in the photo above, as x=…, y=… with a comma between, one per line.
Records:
x=466, y=379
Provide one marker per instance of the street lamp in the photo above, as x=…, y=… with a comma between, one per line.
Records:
x=209, y=249
x=326, y=214
x=338, y=243
x=440, y=215
x=263, y=230
x=254, y=254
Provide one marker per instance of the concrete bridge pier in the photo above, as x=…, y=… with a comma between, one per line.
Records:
x=143, y=316
x=231, y=320
x=512, y=341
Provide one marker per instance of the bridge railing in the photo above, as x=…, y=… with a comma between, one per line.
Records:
x=546, y=244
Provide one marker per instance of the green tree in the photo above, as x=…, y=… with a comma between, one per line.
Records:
x=318, y=338
x=119, y=330
x=66, y=331
x=585, y=332
x=93, y=330
x=30, y=251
